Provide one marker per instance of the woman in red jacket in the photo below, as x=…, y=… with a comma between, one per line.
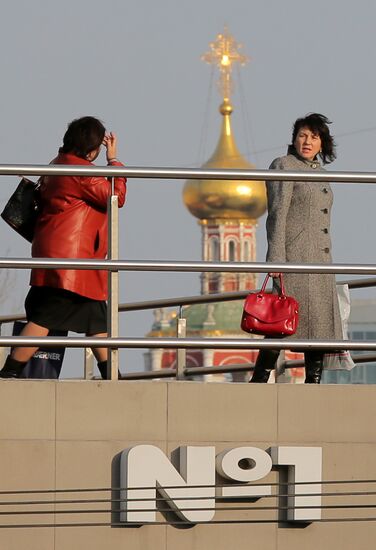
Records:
x=72, y=224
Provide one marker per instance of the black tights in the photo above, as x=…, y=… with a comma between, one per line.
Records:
x=267, y=359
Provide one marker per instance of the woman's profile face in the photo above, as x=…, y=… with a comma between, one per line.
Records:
x=307, y=143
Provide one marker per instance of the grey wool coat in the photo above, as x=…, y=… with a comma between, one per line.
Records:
x=298, y=231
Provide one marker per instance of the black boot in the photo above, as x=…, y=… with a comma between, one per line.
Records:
x=12, y=368
x=313, y=366
x=265, y=362
x=102, y=366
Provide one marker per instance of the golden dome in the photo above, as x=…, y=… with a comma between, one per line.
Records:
x=226, y=199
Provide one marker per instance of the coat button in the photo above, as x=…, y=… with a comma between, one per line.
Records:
x=325, y=190
x=326, y=249
x=325, y=210
x=314, y=165
x=325, y=230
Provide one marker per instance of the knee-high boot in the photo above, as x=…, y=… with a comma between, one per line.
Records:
x=102, y=366
x=265, y=362
x=313, y=366
x=12, y=368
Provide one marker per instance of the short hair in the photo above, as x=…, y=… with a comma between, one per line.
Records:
x=83, y=135
x=319, y=124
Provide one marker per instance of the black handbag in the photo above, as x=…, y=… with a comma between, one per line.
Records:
x=21, y=211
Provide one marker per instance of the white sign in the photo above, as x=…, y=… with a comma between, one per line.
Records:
x=191, y=492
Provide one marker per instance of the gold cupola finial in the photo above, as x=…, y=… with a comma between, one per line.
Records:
x=225, y=199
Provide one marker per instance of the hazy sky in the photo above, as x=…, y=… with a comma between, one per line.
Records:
x=136, y=65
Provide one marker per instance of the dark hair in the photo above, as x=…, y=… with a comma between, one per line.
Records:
x=83, y=136
x=319, y=124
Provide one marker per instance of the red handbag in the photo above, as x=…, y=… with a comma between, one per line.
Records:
x=270, y=314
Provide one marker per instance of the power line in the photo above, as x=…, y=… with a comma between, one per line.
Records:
x=283, y=147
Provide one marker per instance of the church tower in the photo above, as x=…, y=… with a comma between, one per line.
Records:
x=227, y=212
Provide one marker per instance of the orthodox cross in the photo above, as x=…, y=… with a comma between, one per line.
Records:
x=224, y=52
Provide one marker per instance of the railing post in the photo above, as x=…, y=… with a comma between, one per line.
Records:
x=2, y=350
x=181, y=354
x=113, y=283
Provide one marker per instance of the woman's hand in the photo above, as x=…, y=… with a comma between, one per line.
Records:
x=274, y=274
x=110, y=142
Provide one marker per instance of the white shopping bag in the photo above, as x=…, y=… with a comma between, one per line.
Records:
x=341, y=360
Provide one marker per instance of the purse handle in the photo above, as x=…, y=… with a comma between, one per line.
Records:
x=281, y=284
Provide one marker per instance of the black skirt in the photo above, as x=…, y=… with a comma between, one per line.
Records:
x=59, y=309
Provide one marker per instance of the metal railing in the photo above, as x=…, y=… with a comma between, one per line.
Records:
x=113, y=265
x=185, y=173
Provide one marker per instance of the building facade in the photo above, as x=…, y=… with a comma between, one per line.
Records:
x=61, y=465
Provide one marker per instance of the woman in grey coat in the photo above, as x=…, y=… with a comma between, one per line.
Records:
x=298, y=231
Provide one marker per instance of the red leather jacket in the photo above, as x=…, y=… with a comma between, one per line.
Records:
x=73, y=224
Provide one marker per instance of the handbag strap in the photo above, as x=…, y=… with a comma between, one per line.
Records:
x=281, y=284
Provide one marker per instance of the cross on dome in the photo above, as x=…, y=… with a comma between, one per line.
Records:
x=224, y=52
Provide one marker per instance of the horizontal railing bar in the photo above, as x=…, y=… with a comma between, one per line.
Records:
x=11, y=318
x=188, y=371
x=148, y=375
x=295, y=363
x=358, y=283
x=187, y=343
x=221, y=297
x=185, y=300
x=231, y=267
x=366, y=358
x=244, y=367
x=247, y=367
x=185, y=173
x=198, y=299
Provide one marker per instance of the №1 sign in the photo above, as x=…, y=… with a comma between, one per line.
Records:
x=145, y=470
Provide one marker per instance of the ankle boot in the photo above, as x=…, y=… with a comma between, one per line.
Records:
x=265, y=362
x=102, y=366
x=12, y=368
x=313, y=367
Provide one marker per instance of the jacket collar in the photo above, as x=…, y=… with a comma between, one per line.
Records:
x=311, y=163
x=69, y=158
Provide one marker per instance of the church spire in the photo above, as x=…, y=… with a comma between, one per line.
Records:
x=227, y=209
x=224, y=199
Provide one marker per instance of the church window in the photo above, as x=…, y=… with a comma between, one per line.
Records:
x=247, y=251
x=214, y=249
x=231, y=251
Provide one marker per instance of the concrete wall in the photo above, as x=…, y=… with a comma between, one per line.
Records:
x=68, y=434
